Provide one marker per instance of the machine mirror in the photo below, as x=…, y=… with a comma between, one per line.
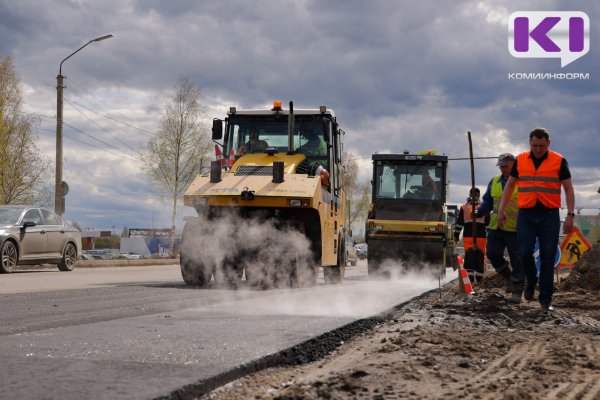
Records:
x=217, y=129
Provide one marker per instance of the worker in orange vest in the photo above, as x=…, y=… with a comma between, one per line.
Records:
x=540, y=174
x=464, y=223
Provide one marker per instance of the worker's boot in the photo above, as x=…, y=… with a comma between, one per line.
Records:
x=471, y=275
x=516, y=292
x=479, y=273
x=504, y=271
x=530, y=289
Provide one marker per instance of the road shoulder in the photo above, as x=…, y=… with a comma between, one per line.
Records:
x=446, y=344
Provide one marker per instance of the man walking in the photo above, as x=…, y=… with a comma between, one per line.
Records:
x=501, y=238
x=540, y=173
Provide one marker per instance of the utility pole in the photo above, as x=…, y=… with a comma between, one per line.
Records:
x=59, y=205
x=61, y=188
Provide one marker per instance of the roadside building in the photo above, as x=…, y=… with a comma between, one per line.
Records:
x=148, y=242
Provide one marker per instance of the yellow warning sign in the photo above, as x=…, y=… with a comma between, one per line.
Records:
x=572, y=247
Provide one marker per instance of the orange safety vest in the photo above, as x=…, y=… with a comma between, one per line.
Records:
x=541, y=184
x=468, y=213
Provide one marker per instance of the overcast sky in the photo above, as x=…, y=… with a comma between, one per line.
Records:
x=399, y=75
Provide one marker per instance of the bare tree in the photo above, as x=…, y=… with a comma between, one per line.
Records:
x=174, y=157
x=75, y=225
x=358, y=194
x=24, y=171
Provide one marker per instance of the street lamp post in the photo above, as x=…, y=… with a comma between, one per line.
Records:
x=61, y=188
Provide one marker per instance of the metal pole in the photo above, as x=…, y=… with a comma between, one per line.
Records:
x=58, y=202
x=59, y=205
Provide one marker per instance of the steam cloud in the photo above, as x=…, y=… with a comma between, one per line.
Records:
x=267, y=255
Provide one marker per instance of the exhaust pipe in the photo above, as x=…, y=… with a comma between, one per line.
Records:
x=215, y=171
x=291, y=130
x=278, y=171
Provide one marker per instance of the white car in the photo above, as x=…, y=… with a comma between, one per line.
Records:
x=351, y=256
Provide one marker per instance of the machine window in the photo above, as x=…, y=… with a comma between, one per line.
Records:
x=398, y=181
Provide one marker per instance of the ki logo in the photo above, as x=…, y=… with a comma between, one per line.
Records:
x=549, y=34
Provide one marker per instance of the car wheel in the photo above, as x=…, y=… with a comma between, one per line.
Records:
x=69, y=258
x=10, y=256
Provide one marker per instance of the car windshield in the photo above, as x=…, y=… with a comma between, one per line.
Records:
x=10, y=215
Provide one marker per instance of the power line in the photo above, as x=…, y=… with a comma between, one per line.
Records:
x=496, y=144
x=101, y=141
x=99, y=126
x=474, y=158
x=89, y=144
x=40, y=115
x=99, y=148
x=85, y=143
x=587, y=180
x=153, y=134
x=356, y=158
x=100, y=102
x=96, y=147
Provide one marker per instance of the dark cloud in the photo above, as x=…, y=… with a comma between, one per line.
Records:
x=400, y=75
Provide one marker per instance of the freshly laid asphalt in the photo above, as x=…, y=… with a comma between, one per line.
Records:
x=140, y=333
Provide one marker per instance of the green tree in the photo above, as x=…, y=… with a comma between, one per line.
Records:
x=24, y=171
x=112, y=242
x=174, y=157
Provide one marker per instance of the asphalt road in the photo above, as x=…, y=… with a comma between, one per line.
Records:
x=140, y=333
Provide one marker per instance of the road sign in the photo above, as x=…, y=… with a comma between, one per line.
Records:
x=64, y=188
x=536, y=256
x=573, y=246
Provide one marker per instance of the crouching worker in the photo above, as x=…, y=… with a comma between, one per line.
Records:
x=474, y=258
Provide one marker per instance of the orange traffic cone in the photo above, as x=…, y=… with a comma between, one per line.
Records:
x=464, y=280
x=231, y=158
x=220, y=157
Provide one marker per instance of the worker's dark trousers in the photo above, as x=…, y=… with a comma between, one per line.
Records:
x=543, y=224
x=497, y=241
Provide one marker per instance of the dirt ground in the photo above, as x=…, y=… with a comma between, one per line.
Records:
x=449, y=345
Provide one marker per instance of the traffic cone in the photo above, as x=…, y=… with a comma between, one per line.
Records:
x=220, y=157
x=464, y=280
x=231, y=158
